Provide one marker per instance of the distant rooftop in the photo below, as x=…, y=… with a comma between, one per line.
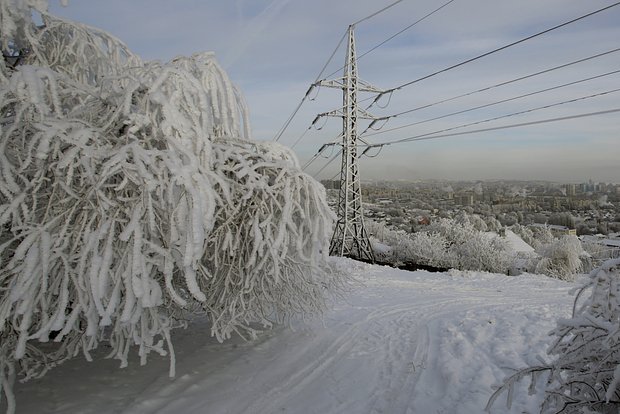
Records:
x=517, y=243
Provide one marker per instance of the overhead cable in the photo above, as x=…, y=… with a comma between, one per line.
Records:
x=514, y=98
x=521, y=124
x=531, y=75
x=281, y=131
x=300, y=137
x=416, y=137
x=497, y=49
x=332, y=159
x=318, y=153
x=394, y=35
x=378, y=12
x=292, y=116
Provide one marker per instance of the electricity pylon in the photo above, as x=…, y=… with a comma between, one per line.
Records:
x=350, y=237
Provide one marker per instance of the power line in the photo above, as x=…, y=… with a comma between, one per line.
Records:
x=299, y=105
x=331, y=160
x=434, y=134
x=475, y=131
x=510, y=126
x=522, y=124
x=405, y=29
x=394, y=35
x=314, y=157
x=344, y=35
x=320, y=151
x=486, y=105
x=335, y=176
x=531, y=75
x=378, y=12
x=416, y=137
x=300, y=137
x=496, y=50
x=292, y=116
x=327, y=145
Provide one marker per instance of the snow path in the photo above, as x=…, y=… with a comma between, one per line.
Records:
x=399, y=342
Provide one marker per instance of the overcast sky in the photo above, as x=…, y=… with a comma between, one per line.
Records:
x=274, y=49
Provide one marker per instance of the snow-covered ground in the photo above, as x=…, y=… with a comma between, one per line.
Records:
x=398, y=342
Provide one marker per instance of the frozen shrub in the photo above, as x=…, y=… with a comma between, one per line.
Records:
x=561, y=258
x=584, y=375
x=447, y=243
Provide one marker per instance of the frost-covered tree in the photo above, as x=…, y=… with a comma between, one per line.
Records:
x=492, y=224
x=543, y=235
x=562, y=219
x=584, y=375
x=598, y=251
x=473, y=220
x=131, y=194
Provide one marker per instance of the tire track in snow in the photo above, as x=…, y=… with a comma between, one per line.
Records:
x=401, y=361
x=368, y=357
x=340, y=347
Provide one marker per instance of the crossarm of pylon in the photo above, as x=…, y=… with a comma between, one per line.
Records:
x=336, y=113
x=332, y=83
x=364, y=86
x=363, y=114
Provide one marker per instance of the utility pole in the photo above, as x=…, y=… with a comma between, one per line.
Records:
x=350, y=237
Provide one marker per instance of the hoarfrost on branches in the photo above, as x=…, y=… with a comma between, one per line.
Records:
x=131, y=194
x=584, y=375
x=447, y=243
x=561, y=258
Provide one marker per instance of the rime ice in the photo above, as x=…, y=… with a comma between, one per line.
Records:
x=132, y=195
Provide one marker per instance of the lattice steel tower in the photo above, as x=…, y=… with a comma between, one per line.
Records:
x=350, y=237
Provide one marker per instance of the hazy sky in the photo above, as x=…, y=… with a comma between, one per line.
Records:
x=274, y=49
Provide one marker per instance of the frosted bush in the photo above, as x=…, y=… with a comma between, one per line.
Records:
x=584, y=375
x=398, y=241
x=561, y=258
x=484, y=251
x=471, y=249
x=448, y=244
x=432, y=249
x=131, y=195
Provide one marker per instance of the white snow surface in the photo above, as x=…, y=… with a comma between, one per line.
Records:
x=397, y=342
x=517, y=243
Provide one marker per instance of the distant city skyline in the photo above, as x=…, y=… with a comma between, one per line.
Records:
x=274, y=49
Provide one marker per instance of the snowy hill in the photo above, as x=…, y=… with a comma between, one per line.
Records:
x=398, y=342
